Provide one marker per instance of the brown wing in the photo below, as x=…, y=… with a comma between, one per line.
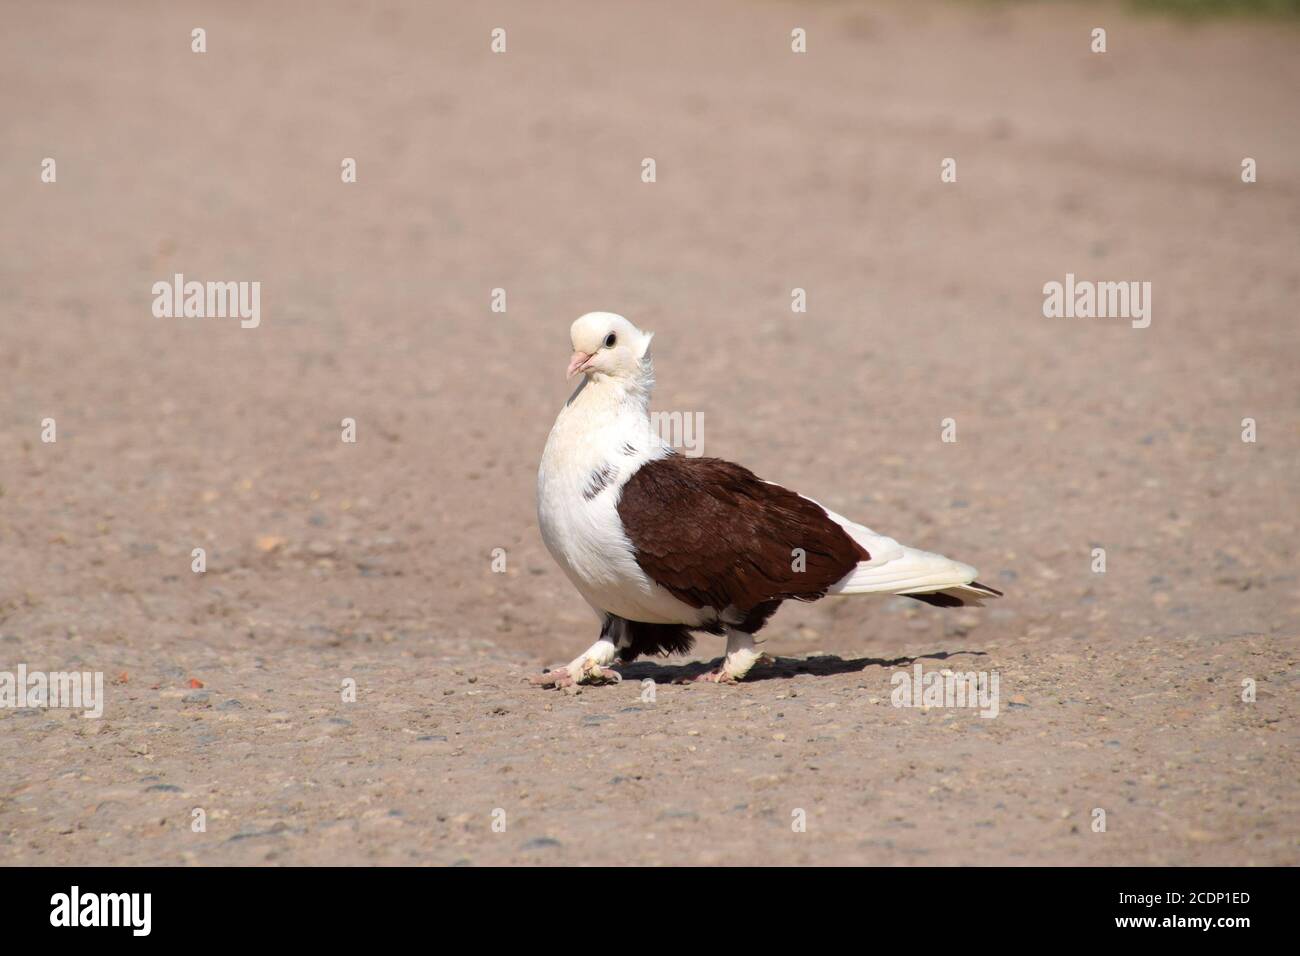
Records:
x=715, y=535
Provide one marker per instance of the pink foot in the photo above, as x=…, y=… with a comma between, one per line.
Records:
x=557, y=678
x=721, y=675
x=718, y=675
x=588, y=672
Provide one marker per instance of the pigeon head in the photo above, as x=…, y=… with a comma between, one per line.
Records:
x=608, y=344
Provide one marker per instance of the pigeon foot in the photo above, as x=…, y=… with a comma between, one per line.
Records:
x=731, y=671
x=582, y=671
x=718, y=675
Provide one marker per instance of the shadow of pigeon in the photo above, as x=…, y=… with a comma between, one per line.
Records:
x=778, y=668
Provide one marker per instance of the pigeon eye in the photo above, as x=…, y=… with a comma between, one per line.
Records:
x=610, y=340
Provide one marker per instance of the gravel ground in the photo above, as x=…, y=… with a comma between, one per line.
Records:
x=372, y=562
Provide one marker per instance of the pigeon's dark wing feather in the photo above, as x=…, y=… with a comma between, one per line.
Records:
x=715, y=535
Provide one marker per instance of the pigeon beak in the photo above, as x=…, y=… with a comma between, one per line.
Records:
x=578, y=363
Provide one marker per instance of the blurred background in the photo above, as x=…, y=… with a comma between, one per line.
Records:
x=522, y=171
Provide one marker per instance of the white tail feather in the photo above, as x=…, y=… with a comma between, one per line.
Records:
x=897, y=569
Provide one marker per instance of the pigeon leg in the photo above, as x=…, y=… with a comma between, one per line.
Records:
x=741, y=657
x=591, y=667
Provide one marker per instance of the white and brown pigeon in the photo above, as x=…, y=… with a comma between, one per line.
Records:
x=662, y=545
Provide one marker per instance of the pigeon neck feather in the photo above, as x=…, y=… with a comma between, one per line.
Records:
x=602, y=392
x=605, y=424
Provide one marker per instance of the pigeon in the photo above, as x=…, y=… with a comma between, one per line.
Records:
x=663, y=545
